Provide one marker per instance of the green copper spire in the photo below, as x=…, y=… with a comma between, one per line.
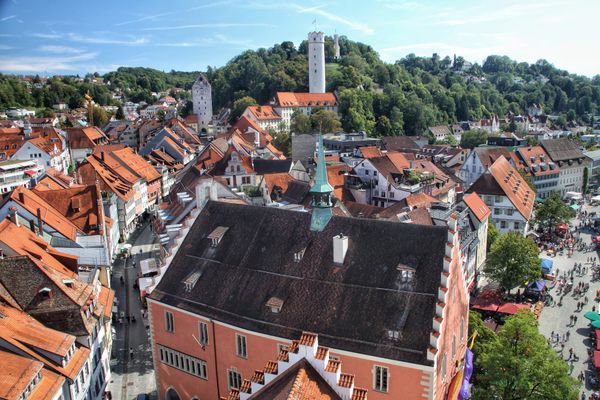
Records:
x=321, y=193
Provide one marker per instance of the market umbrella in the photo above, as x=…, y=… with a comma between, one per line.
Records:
x=592, y=316
x=596, y=324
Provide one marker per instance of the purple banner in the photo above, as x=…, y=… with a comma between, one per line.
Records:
x=465, y=391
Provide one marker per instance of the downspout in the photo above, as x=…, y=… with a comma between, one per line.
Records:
x=212, y=323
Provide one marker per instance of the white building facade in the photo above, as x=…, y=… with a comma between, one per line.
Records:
x=316, y=62
x=202, y=102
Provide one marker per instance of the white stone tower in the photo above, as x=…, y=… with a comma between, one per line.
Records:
x=316, y=62
x=202, y=101
x=336, y=47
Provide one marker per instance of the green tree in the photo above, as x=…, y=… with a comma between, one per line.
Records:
x=383, y=126
x=520, y=365
x=512, y=127
x=471, y=139
x=513, y=260
x=492, y=234
x=160, y=114
x=100, y=118
x=300, y=123
x=325, y=121
x=240, y=105
x=281, y=140
x=551, y=212
x=485, y=336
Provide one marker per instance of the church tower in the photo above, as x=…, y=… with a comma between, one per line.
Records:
x=321, y=193
x=336, y=47
x=202, y=102
x=316, y=62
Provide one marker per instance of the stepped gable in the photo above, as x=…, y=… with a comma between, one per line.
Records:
x=254, y=261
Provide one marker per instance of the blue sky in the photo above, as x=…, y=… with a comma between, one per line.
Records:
x=68, y=37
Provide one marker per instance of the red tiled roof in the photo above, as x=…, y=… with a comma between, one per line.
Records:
x=263, y=112
x=477, y=206
x=85, y=138
x=281, y=180
x=370, y=151
x=297, y=99
x=514, y=186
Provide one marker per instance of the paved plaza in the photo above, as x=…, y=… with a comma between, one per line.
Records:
x=557, y=318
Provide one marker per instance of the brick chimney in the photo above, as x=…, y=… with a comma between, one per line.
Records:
x=13, y=216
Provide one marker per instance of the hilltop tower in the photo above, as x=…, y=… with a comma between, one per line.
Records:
x=202, y=102
x=316, y=62
x=336, y=47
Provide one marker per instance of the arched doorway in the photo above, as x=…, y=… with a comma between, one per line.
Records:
x=172, y=395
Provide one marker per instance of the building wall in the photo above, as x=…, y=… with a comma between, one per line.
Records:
x=404, y=379
x=202, y=102
x=504, y=214
x=571, y=177
x=471, y=170
x=316, y=62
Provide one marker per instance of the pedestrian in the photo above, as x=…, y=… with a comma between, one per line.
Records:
x=129, y=318
x=575, y=319
x=570, y=320
x=578, y=306
x=568, y=334
x=570, y=352
x=131, y=352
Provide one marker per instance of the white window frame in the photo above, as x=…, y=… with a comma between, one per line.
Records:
x=381, y=378
x=234, y=378
x=241, y=346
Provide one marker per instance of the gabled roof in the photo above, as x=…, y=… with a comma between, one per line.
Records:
x=477, y=206
x=80, y=205
x=32, y=202
x=336, y=177
x=262, y=166
x=298, y=99
x=135, y=163
x=535, y=161
x=28, y=335
x=279, y=180
x=85, y=138
x=251, y=269
x=263, y=113
x=504, y=180
x=17, y=372
x=23, y=277
x=562, y=149
x=370, y=151
x=399, y=143
x=390, y=163
x=23, y=242
x=440, y=130
x=488, y=155
x=95, y=169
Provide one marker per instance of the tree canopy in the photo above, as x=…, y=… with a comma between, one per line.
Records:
x=513, y=260
x=519, y=364
x=551, y=212
x=473, y=138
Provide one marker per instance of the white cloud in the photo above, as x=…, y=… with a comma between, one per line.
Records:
x=212, y=25
x=401, y=5
x=358, y=26
x=60, y=49
x=44, y=64
x=216, y=40
x=157, y=16
x=98, y=38
x=211, y=5
x=47, y=35
x=8, y=18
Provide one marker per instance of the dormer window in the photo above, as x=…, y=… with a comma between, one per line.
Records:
x=393, y=334
x=275, y=304
x=217, y=234
x=68, y=282
x=45, y=292
x=407, y=274
x=299, y=255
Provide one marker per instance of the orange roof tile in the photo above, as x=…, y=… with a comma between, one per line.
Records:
x=336, y=177
x=47, y=388
x=23, y=242
x=31, y=201
x=105, y=299
x=477, y=206
x=297, y=99
x=370, y=151
x=16, y=372
x=281, y=180
x=420, y=200
x=263, y=112
x=514, y=186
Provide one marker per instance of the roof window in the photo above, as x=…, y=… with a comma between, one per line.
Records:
x=275, y=304
x=191, y=280
x=217, y=234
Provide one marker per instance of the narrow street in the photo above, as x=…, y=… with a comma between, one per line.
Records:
x=132, y=375
x=557, y=318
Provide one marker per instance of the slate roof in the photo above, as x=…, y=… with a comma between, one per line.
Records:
x=262, y=166
x=562, y=149
x=327, y=299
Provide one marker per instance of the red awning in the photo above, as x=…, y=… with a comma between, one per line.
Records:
x=597, y=359
x=512, y=308
x=30, y=172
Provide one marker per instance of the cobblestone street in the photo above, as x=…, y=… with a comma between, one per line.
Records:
x=557, y=318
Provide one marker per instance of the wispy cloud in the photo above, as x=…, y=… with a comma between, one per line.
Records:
x=5, y=47
x=216, y=40
x=8, y=18
x=358, y=26
x=165, y=14
x=214, y=25
x=42, y=64
x=60, y=49
x=401, y=5
x=96, y=38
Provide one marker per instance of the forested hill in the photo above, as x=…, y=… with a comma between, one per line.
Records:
x=403, y=97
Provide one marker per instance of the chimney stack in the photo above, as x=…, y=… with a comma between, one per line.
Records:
x=40, y=222
x=340, y=248
x=14, y=216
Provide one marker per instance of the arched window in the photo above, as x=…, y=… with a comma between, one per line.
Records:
x=172, y=394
